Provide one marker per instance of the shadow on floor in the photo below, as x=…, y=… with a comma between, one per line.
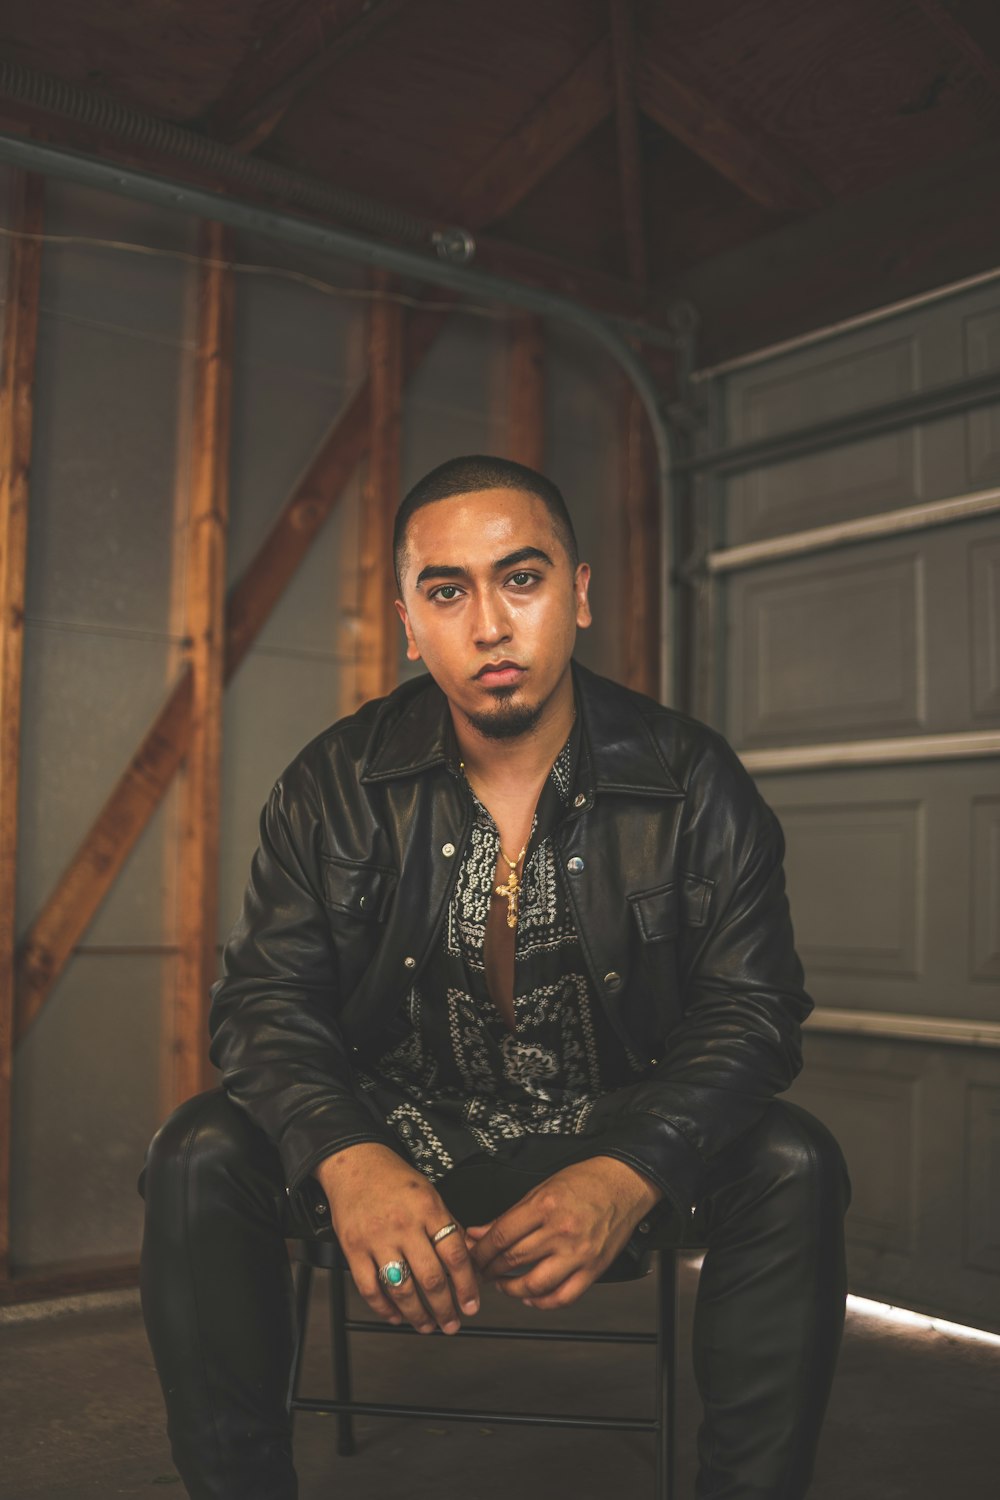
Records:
x=911, y=1416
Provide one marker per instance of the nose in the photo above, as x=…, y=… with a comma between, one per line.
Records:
x=491, y=623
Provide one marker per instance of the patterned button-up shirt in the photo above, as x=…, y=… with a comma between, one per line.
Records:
x=460, y=1082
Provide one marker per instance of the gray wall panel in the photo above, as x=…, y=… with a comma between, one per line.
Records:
x=88, y=699
x=85, y=1104
x=104, y=462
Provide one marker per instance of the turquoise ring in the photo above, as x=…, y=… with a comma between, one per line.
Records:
x=393, y=1274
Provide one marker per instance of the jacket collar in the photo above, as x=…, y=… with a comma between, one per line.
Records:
x=413, y=732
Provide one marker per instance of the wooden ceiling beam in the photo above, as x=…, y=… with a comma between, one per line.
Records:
x=926, y=230
x=755, y=163
x=627, y=123
x=287, y=61
x=973, y=26
x=553, y=129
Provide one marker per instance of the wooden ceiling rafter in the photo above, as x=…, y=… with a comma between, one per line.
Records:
x=285, y=62
x=755, y=163
x=973, y=26
x=627, y=130
x=544, y=138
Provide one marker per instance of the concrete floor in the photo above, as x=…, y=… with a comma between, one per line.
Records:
x=912, y=1417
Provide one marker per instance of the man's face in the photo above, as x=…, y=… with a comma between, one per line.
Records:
x=491, y=605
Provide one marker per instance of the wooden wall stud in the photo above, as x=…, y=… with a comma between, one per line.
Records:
x=16, y=412
x=186, y=1052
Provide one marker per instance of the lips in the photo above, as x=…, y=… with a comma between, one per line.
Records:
x=497, y=673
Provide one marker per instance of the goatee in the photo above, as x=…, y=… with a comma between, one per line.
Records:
x=507, y=721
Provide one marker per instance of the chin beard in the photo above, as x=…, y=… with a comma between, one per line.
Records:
x=507, y=721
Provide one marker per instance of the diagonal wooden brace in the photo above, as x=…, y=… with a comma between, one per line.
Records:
x=91, y=872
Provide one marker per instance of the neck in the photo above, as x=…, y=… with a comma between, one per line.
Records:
x=525, y=760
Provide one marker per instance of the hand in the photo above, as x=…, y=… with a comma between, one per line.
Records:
x=560, y=1237
x=384, y=1210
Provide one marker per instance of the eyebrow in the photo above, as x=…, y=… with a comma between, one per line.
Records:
x=523, y=554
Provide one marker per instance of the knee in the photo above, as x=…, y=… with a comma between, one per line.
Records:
x=797, y=1148
x=205, y=1138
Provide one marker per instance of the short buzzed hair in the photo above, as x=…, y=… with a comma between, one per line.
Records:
x=470, y=475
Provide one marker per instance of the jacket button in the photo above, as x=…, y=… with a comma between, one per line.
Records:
x=574, y=865
x=447, y=850
x=644, y=1227
x=362, y=900
x=579, y=799
x=409, y=963
x=613, y=980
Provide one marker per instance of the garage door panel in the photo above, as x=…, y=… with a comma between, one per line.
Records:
x=894, y=882
x=866, y=675
x=919, y=1125
x=879, y=1105
x=830, y=650
x=879, y=473
x=983, y=567
x=895, y=638
x=864, y=916
x=985, y=905
x=982, y=426
x=982, y=1201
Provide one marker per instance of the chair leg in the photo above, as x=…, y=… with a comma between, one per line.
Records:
x=666, y=1372
x=341, y=1356
x=303, y=1288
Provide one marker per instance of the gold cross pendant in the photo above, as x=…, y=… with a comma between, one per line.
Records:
x=510, y=890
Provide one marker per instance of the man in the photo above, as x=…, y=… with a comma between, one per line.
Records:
x=511, y=996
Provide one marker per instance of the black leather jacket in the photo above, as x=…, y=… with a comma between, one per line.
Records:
x=673, y=864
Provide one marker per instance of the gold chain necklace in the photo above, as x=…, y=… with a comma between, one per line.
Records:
x=512, y=886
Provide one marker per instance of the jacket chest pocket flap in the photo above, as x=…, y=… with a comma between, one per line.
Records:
x=659, y=912
x=362, y=891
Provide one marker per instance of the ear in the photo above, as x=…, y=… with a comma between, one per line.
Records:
x=581, y=587
x=412, y=649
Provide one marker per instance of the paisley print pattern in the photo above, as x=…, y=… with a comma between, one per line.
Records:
x=459, y=1082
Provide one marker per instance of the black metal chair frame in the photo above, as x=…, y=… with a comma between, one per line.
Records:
x=326, y=1255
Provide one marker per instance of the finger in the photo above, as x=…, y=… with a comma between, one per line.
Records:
x=518, y=1258
x=567, y=1292
x=434, y=1286
x=454, y=1256
x=405, y=1297
x=365, y=1278
x=524, y=1218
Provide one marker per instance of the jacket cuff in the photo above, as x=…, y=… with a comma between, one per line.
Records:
x=656, y=1149
x=308, y=1140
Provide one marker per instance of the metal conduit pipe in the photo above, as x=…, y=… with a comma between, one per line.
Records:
x=33, y=156
x=133, y=127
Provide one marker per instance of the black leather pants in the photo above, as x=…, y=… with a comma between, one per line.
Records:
x=216, y=1296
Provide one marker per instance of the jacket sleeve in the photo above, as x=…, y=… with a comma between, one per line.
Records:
x=273, y=1023
x=738, y=1043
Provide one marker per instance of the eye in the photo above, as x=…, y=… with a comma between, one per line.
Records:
x=521, y=578
x=451, y=590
